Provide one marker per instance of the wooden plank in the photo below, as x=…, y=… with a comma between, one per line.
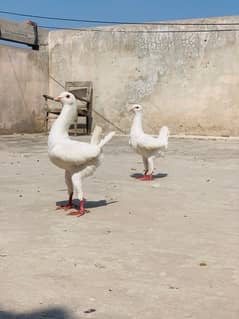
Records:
x=21, y=32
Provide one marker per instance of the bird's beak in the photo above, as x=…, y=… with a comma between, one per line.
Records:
x=130, y=108
x=58, y=98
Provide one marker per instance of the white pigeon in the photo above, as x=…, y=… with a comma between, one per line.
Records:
x=78, y=159
x=146, y=145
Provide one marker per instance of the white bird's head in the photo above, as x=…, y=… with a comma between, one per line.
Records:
x=66, y=98
x=136, y=108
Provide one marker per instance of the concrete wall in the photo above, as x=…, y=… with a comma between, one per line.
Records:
x=188, y=81
x=24, y=78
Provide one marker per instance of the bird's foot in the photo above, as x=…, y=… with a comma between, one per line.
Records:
x=146, y=178
x=142, y=176
x=69, y=204
x=79, y=212
x=65, y=207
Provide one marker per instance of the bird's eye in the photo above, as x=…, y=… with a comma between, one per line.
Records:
x=137, y=107
x=67, y=96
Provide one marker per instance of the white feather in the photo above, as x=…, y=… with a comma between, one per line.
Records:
x=78, y=159
x=144, y=144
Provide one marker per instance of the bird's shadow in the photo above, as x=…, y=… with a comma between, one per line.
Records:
x=52, y=313
x=88, y=204
x=159, y=175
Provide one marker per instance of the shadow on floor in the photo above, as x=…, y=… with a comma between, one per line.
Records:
x=88, y=204
x=155, y=176
x=52, y=313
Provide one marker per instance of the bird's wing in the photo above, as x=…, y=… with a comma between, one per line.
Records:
x=149, y=142
x=74, y=152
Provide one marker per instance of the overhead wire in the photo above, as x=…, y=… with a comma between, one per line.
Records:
x=165, y=23
x=169, y=24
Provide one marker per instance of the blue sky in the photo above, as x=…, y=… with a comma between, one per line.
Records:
x=122, y=10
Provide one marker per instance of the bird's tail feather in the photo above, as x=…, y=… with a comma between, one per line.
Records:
x=106, y=139
x=163, y=136
x=95, y=138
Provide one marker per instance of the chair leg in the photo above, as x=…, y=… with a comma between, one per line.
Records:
x=75, y=125
x=88, y=124
x=46, y=122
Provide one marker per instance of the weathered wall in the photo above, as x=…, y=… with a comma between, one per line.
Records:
x=24, y=78
x=188, y=81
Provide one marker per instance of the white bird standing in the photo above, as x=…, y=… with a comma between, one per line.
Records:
x=78, y=159
x=146, y=145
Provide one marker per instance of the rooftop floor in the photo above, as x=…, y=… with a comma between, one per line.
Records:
x=147, y=250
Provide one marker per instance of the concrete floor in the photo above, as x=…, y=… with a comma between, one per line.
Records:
x=166, y=249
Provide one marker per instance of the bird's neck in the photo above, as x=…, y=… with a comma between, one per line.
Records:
x=61, y=125
x=137, y=124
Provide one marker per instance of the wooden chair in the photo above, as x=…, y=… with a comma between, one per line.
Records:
x=83, y=91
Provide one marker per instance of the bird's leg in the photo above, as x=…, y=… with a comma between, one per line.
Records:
x=149, y=176
x=69, y=184
x=77, y=182
x=145, y=161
